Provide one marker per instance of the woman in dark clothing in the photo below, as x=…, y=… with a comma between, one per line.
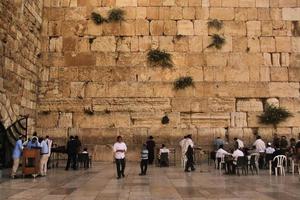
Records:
x=150, y=146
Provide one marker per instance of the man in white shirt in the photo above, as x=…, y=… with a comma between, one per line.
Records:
x=239, y=143
x=182, y=146
x=237, y=153
x=119, y=149
x=49, y=143
x=220, y=154
x=260, y=147
x=44, y=157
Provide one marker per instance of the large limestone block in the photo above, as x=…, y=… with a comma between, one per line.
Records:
x=82, y=120
x=294, y=74
x=132, y=59
x=296, y=44
x=291, y=14
x=95, y=90
x=132, y=89
x=249, y=105
x=195, y=44
x=251, y=89
x=157, y=27
x=253, y=28
x=59, y=135
x=77, y=89
x=291, y=104
x=279, y=74
x=142, y=27
x=125, y=3
x=128, y=28
x=185, y=27
x=283, y=44
x=235, y=28
x=79, y=59
x=222, y=59
x=205, y=120
x=247, y=3
x=65, y=120
x=222, y=13
x=188, y=13
x=230, y=3
x=63, y=105
x=131, y=104
x=104, y=44
x=278, y=89
x=166, y=43
x=170, y=27
x=76, y=14
x=47, y=120
x=267, y=44
x=200, y=27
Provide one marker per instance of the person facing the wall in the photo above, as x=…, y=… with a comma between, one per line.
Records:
x=120, y=149
x=17, y=153
x=150, y=146
x=72, y=153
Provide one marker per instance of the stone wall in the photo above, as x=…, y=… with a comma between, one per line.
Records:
x=104, y=68
x=20, y=47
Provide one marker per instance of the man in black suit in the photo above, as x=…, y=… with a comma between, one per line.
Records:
x=72, y=148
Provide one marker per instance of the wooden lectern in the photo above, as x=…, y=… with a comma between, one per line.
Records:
x=31, y=162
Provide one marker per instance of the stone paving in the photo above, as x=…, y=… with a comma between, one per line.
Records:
x=100, y=182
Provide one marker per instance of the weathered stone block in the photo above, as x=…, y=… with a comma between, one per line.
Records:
x=124, y=3
x=284, y=89
x=253, y=28
x=104, y=44
x=230, y=3
x=247, y=3
x=249, y=105
x=80, y=59
x=279, y=74
x=157, y=27
x=128, y=28
x=283, y=44
x=267, y=44
x=170, y=27
x=65, y=120
x=47, y=120
x=152, y=13
x=222, y=13
x=142, y=27
x=185, y=27
x=296, y=44
x=291, y=14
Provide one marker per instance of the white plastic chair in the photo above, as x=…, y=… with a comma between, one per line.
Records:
x=281, y=159
x=222, y=163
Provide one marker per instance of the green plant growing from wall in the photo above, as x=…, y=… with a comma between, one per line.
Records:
x=97, y=18
x=116, y=15
x=274, y=115
x=183, y=82
x=160, y=58
x=217, y=41
x=215, y=23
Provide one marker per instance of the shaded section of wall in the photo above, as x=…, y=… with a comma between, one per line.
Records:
x=20, y=49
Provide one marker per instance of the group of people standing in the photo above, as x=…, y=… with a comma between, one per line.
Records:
x=73, y=149
x=43, y=144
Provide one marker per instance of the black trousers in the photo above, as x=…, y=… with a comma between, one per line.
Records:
x=144, y=166
x=72, y=159
x=189, y=164
x=261, y=160
x=120, y=163
x=151, y=156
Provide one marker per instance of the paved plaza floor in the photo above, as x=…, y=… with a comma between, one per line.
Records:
x=100, y=182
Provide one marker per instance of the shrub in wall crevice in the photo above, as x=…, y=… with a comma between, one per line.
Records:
x=183, y=82
x=274, y=115
x=116, y=15
x=217, y=41
x=215, y=23
x=160, y=58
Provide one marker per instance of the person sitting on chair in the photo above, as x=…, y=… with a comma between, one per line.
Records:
x=269, y=154
x=220, y=154
x=164, y=156
x=237, y=153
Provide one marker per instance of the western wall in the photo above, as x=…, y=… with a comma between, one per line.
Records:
x=75, y=77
